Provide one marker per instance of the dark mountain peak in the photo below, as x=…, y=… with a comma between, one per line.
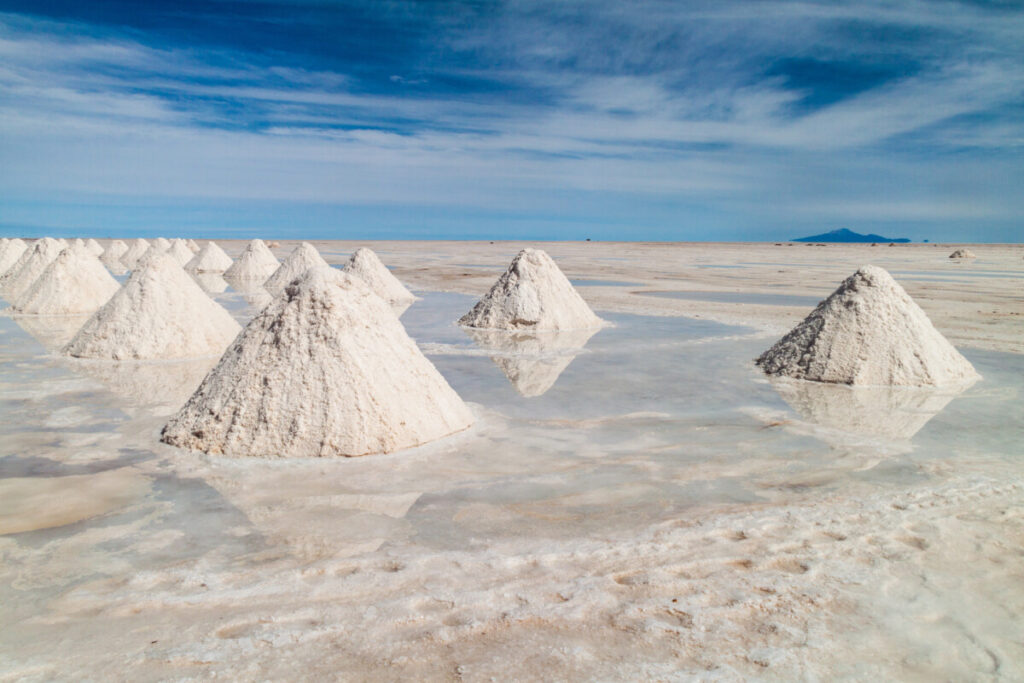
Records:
x=845, y=235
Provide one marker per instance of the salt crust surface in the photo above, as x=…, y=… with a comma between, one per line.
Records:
x=10, y=251
x=868, y=332
x=365, y=265
x=255, y=263
x=72, y=284
x=135, y=251
x=302, y=258
x=325, y=369
x=210, y=259
x=160, y=312
x=533, y=293
x=36, y=258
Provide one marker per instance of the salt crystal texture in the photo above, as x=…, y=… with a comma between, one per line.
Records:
x=210, y=259
x=325, y=369
x=94, y=247
x=37, y=257
x=74, y=283
x=962, y=253
x=365, y=265
x=10, y=252
x=302, y=258
x=533, y=293
x=180, y=252
x=868, y=332
x=158, y=313
x=135, y=251
x=255, y=263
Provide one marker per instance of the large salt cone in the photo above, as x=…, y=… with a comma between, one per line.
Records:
x=255, y=263
x=136, y=249
x=159, y=313
x=210, y=259
x=891, y=412
x=532, y=361
x=10, y=252
x=868, y=332
x=74, y=283
x=325, y=369
x=532, y=294
x=36, y=259
x=302, y=258
x=365, y=265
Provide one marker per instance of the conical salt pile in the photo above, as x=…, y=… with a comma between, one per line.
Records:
x=255, y=263
x=11, y=273
x=533, y=293
x=192, y=246
x=180, y=252
x=304, y=257
x=962, y=253
x=162, y=243
x=365, y=265
x=94, y=247
x=868, y=332
x=158, y=313
x=39, y=256
x=210, y=259
x=325, y=369
x=114, y=251
x=74, y=283
x=134, y=253
x=10, y=252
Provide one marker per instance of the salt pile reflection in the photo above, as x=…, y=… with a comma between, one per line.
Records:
x=532, y=361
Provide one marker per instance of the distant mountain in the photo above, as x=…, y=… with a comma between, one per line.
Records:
x=844, y=235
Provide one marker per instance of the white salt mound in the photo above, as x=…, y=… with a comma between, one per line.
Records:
x=210, y=259
x=114, y=251
x=302, y=258
x=180, y=252
x=38, y=257
x=533, y=293
x=74, y=283
x=192, y=246
x=158, y=313
x=325, y=369
x=868, y=332
x=10, y=252
x=94, y=247
x=162, y=243
x=255, y=263
x=11, y=273
x=135, y=251
x=962, y=253
x=365, y=265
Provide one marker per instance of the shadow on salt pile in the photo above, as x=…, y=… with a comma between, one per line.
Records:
x=887, y=411
x=532, y=361
x=53, y=332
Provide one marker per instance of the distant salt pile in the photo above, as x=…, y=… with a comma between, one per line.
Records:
x=134, y=253
x=962, y=253
x=868, y=332
x=10, y=251
x=74, y=283
x=114, y=251
x=95, y=248
x=255, y=263
x=325, y=369
x=210, y=259
x=159, y=313
x=162, y=243
x=39, y=256
x=12, y=272
x=365, y=265
x=533, y=293
x=192, y=246
x=180, y=252
x=304, y=257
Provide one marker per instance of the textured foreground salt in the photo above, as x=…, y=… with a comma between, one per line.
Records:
x=675, y=528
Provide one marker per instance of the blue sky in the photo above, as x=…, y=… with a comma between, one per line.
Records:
x=646, y=120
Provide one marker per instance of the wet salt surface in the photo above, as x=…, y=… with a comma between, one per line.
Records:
x=646, y=422
x=741, y=298
x=604, y=283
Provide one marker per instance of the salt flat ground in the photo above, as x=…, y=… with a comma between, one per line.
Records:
x=636, y=503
